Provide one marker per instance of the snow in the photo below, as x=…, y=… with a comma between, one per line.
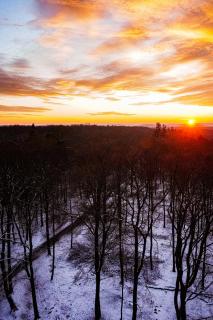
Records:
x=39, y=236
x=71, y=293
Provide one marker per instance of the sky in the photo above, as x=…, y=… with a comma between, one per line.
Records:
x=106, y=61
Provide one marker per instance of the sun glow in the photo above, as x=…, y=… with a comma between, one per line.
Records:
x=191, y=122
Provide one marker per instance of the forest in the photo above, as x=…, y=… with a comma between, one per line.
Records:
x=106, y=223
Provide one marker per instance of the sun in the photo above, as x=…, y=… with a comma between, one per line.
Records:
x=191, y=122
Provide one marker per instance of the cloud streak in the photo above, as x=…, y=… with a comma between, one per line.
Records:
x=22, y=109
x=110, y=113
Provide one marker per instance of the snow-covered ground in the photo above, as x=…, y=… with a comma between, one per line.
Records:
x=39, y=233
x=71, y=293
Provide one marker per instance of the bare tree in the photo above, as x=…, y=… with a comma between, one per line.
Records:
x=192, y=227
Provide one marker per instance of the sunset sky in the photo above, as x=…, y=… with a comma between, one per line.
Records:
x=106, y=61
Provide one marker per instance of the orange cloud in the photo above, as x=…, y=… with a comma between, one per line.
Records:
x=4, y=108
x=17, y=85
x=57, y=13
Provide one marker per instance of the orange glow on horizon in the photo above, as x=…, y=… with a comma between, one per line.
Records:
x=101, y=120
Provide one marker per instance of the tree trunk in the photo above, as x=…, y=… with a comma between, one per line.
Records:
x=204, y=267
x=53, y=250
x=32, y=280
x=5, y=278
x=71, y=218
x=9, y=267
x=33, y=290
x=41, y=212
x=176, y=299
x=164, y=206
x=151, y=245
x=97, y=297
x=120, y=247
x=135, y=297
x=135, y=282
x=173, y=241
x=47, y=227
x=183, y=305
x=97, y=256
